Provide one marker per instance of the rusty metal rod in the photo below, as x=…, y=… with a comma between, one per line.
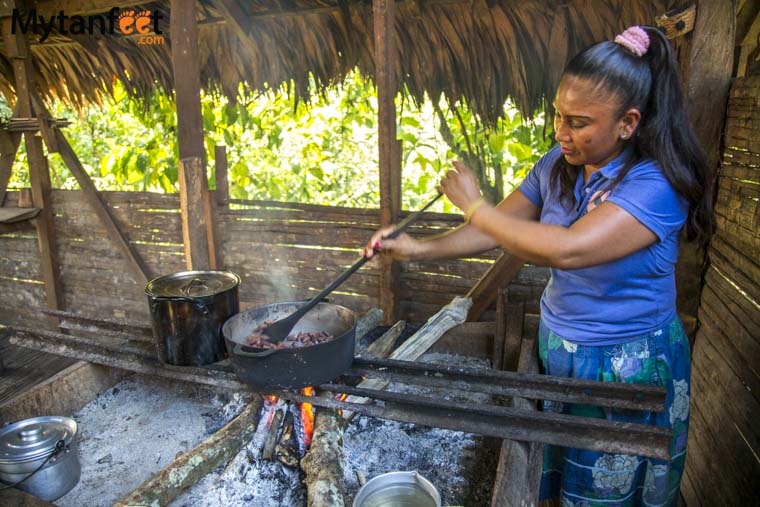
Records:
x=557, y=429
x=500, y=422
x=507, y=383
x=120, y=326
x=55, y=343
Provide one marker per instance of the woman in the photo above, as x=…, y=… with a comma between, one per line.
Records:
x=604, y=210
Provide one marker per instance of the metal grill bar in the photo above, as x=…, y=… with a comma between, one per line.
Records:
x=506, y=383
x=116, y=350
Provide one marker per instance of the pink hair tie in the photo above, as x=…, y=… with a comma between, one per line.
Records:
x=635, y=40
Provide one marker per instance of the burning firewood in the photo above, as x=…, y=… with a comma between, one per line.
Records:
x=271, y=438
x=286, y=451
x=323, y=463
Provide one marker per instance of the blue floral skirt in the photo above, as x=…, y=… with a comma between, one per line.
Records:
x=589, y=478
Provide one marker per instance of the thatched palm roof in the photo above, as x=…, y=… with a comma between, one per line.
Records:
x=480, y=50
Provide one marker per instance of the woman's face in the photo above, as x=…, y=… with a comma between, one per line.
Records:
x=588, y=125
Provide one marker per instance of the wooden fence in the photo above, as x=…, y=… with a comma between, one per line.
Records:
x=282, y=251
x=722, y=464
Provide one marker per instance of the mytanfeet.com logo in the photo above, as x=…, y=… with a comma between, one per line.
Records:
x=142, y=23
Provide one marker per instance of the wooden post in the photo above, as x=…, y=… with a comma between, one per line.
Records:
x=710, y=68
x=193, y=181
x=39, y=176
x=389, y=156
x=518, y=475
x=748, y=46
x=220, y=176
x=212, y=229
x=9, y=143
x=17, y=49
x=497, y=349
x=183, y=31
x=194, y=225
x=502, y=271
x=514, y=314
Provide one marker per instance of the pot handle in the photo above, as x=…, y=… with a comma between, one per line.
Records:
x=195, y=302
x=187, y=288
x=238, y=351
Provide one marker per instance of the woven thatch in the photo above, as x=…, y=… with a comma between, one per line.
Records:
x=480, y=50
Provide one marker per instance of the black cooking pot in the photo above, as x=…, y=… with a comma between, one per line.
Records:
x=295, y=367
x=187, y=312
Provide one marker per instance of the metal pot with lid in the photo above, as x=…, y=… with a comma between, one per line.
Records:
x=187, y=312
x=47, y=442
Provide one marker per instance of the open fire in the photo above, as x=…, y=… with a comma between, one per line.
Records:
x=410, y=411
x=307, y=418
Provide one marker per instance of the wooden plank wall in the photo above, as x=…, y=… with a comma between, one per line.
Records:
x=282, y=251
x=722, y=464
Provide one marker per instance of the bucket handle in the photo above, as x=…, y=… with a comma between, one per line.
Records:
x=195, y=281
x=195, y=302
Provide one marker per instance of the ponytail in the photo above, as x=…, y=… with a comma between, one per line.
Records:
x=649, y=80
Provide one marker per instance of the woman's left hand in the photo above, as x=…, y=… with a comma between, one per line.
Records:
x=460, y=186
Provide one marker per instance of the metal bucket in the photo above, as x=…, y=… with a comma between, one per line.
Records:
x=398, y=489
x=27, y=445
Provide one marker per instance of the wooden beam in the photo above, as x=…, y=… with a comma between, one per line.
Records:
x=39, y=176
x=710, y=68
x=710, y=65
x=514, y=317
x=9, y=143
x=220, y=176
x=183, y=31
x=212, y=229
x=137, y=265
x=518, y=475
x=197, y=223
x=497, y=347
x=17, y=49
x=748, y=46
x=192, y=177
x=502, y=271
x=214, y=200
x=389, y=159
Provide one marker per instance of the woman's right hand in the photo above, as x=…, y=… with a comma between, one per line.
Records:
x=400, y=248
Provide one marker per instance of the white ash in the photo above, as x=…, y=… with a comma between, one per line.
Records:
x=248, y=479
x=133, y=430
x=460, y=465
x=453, y=461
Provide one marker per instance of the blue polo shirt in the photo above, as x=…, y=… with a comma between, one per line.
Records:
x=624, y=299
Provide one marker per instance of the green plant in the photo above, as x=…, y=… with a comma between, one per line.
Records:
x=322, y=152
